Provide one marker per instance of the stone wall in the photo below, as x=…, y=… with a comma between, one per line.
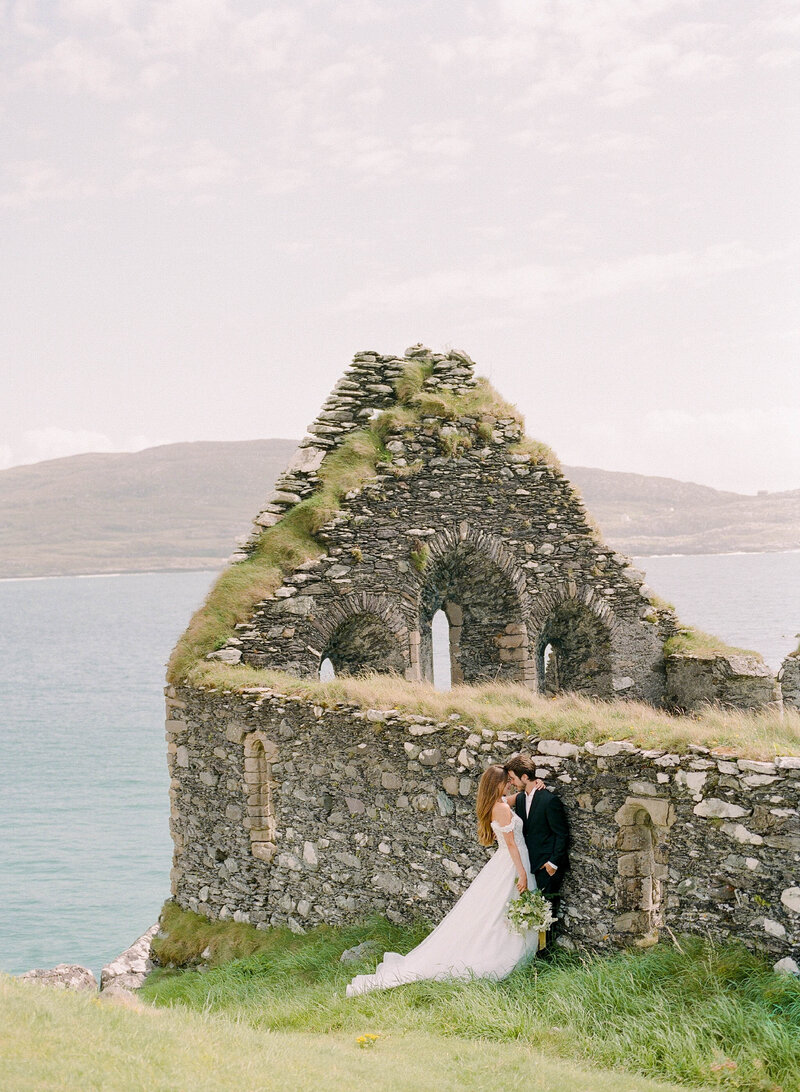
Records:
x=286, y=812
x=734, y=680
x=790, y=681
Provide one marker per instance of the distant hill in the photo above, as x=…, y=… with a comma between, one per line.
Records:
x=174, y=507
x=641, y=516
x=181, y=506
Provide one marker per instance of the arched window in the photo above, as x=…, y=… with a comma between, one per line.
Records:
x=550, y=669
x=642, y=847
x=326, y=670
x=573, y=652
x=361, y=644
x=488, y=637
x=259, y=754
x=440, y=635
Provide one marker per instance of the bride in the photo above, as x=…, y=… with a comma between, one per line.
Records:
x=474, y=940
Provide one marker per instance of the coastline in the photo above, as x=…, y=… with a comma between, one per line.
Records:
x=207, y=569
x=100, y=576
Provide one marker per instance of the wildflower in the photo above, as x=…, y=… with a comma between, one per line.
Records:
x=368, y=1040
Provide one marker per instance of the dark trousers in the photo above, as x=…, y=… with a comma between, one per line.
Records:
x=550, y=887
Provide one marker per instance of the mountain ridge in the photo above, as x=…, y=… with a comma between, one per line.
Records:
x=181, y=506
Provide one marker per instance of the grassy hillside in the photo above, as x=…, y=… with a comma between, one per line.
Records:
x=181, y=506
x=688, y=1011
x=54, y=1041
x=267, y=1010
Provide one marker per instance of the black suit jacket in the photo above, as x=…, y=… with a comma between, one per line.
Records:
x=545, y=829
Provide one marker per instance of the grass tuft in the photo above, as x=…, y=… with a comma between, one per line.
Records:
x=409, y=384
x=694, y=642
x=541, y=454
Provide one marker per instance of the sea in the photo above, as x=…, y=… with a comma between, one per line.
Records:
x=84, y=841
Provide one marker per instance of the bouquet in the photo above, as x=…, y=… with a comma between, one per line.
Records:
x=530, y=910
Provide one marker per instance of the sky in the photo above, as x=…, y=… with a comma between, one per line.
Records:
x=208, y=206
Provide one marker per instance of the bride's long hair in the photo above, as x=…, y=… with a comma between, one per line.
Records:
x=490, y=790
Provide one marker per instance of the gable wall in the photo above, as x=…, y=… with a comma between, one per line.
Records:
x=530, y=544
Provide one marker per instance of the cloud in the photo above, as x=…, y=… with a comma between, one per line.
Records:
x=198, y=167
x=53, y=442
x=182, y=26
x=32, y=182
x=529, y=286
x=116, y=12
x=743, y=450
x=779, y=58
x=78, y=67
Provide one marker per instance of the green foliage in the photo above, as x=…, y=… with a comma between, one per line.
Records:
x=419, y=555
x=693, y=1013
x=454, y=441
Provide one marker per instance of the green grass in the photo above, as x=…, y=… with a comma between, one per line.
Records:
x=695, y=1014
x=53, y=1041
x=694, y=642
x=761, y=734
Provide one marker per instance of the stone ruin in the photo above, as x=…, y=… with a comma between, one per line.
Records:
x=462, y=517
x=289, y=810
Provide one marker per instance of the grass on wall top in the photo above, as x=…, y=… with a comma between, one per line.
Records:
x=511, y=707
x=690, y=641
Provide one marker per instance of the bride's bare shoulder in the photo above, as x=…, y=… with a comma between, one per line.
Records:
x=501, y=812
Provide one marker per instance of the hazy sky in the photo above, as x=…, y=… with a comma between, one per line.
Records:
x=207, y=206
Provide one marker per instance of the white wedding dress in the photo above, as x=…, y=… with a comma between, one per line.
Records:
x=472, y=941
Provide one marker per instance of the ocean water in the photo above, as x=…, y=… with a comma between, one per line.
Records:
x=84, y=841
x=85, y=850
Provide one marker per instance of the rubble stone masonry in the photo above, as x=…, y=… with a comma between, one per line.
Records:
x=366, y=810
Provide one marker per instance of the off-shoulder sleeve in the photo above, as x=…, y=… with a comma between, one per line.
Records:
x=506, y=829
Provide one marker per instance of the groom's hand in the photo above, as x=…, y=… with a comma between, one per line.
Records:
x=550, y=869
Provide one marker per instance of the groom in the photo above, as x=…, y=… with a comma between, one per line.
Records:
x=544, y=827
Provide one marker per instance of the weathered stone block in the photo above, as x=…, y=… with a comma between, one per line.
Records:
x=714, y=808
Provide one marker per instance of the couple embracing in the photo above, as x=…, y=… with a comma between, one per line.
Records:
x=529, y=825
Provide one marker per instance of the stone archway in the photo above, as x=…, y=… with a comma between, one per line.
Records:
x=574, y=642
x=642, y=846
x=475, y=580
x=364, y=633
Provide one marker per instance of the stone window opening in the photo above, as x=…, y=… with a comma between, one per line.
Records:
x=259, y=754
x=442, y=650
x=363, y=644
x=549, y=672
x=579, y=657
x=642, y=847
x=327, y=672
x=488, y=636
